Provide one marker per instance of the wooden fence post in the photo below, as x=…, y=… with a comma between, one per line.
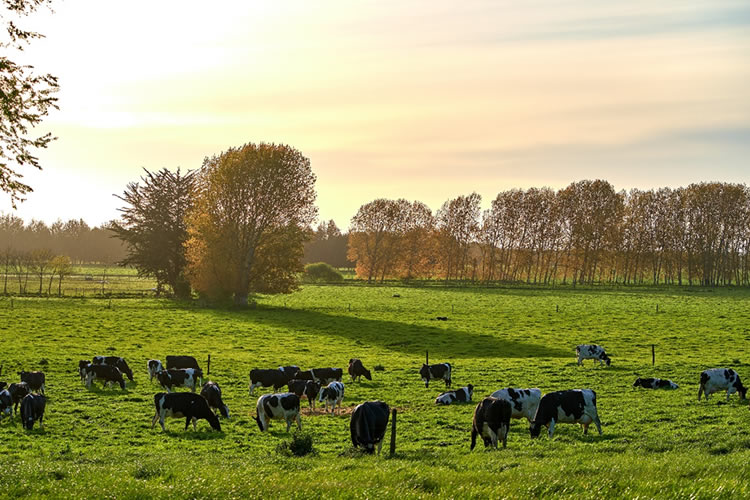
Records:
x=557, y=308
x=208, y=366
x=393, y=433
x=427, y=358
x=653, y=355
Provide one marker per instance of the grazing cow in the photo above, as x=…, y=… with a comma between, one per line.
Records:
x=3, y=385
x=572, y=406
x=108, y=374
x=82, y=364
x=6, y=403
x=183, y=404
x=34, y=379
x=283, y=406
x=322, y=375
x=154, y=367
x=117, y=361
x=357, y=369
x=595, y=352
x=368, y=424
x=182, y=362
x=332, y=394
x=212, y=392
x=462, y=395
x=308, y=388
x=654, y=383
x=32, y=409
x=523, y=402
x=491, y=422
x=435, y=372
x=18, y=391
x=719, y=379
x=182, y=377
x=268, y=378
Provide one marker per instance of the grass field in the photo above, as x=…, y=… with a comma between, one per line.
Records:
x=656, y=444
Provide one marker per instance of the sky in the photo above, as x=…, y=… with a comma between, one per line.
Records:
x=396, y=99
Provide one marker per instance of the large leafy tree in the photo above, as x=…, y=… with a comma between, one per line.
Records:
x=153, y=227
x=248, y=225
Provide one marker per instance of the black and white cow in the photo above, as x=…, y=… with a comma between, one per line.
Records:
x=720, y=379
x=357, y=370
x=18, y=391
x=368, y=424
x=332, y=394
x=462, y=395
x=82, y=364
x=181, y=377
x=436, y=372
x=116, y=361
x=182, y=362
x=108, y=374
x=308, y=388
x=275, y=378
x=6, y=403
x=322, y=375
x=282, y=406
x=32, y=409
x=34, y=379
x=183, y=404
x=572, y=406
x=523, y=402
x=212, y=392
x=491, y=422
x=154, y=367
x=590, y=351
x=654, y=383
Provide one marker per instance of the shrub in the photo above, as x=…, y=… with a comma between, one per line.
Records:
x=300, y=445
x=322, y=272
x=379, y=368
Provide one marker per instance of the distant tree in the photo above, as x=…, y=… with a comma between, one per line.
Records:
x=39, y=264
x=253, y=207
x=61, y=267
x=374, y=237
x=153, y=227
x=458, y=227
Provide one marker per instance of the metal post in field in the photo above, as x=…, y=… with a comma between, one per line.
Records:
x=393, y=433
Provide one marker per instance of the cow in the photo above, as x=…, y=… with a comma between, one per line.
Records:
x=523, y=402
x=34, y=379
x=183, y=404
x=3, y=385
x=491, y=422
x=212, y=392
x=654, y=383
x=275, y=378
x=332, y=394
x=154, y=367
x=18, y=391
x=116, y=361
x=719, y=379
x=290, y=370
x=108, y=374
x=322, y=375
x=462, y=395
x=82, y=364
x=32, y=409
x=180, y=377
x=435, y=372
x=590, y=351
x=357, y=370
x=6, y=403
x=182, y=362
x=282, y=406
x=572, y=406
x=308, y=388
x=368, y=424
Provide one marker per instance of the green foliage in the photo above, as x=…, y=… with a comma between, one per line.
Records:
x=322, y=272
x=300, y=445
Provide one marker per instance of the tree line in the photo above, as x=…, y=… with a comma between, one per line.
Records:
x=586, y=233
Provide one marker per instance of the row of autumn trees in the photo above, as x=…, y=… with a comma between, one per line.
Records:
x=584, y=234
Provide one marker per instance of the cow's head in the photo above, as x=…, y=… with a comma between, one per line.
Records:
x=534, y=429
x=214, y=421
x=424, y=372
x=224, y=411
x=742, y=390
x=323, y=393
x=637, y=382
x=471, y=390
x=606, y=359
x=261, y=423
x=367, y=373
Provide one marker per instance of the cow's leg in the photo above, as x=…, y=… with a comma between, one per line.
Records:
x=162, y=414
x=598, y=424
x=504, y=430
x=551, y=428
x=153, y=420
x=700, y=391
x=195, y=421
x=187, y=422
x=380, y=445
x=448, y=382
x=288, y=424
x=585, y=428
x=42, y=389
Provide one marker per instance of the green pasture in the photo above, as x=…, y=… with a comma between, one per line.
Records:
x=656, y=444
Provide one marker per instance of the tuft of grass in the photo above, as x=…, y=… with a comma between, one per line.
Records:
x=300, y=445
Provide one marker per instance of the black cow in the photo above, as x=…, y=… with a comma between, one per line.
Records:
x=308, y=388
x=322, y=375
x=117, y=361
x=491, y=422
x=82, y=364
x=177, y=362
x=368, y=424
x=187, y=377
x=6, y=403
x=34, y=379
x=183, y=404
x=290, y=370
x=357, y=370
x=461, y=395
x=32, y=409
x=108, y=374
x=18, y=391
x=275, y=378
x=654, y=383
x=573, y=406
x=212, y=392
x=433, y=372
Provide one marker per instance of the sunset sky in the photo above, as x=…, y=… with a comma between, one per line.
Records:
x=414, y=99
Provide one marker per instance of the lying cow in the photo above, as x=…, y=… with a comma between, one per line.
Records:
x=572, y=406
x=368, y=424
x=108, y=374
x=32, y=409
x=523, y=402
x=324, y=376
x=182, y=362
x=275, y=378
x=357, y=370
x=116, y=361
x=283, y=406
x=212, y=393
x=34, y=379
x=18, y=391
x=82, y=364
x=308, y=388
x=491, y=422
x=461, y=395
x=183, y=404
x=154, y=367
x=654, y=383
x=436, y=372
x=719, y=379
x=595, y=352
x=187, y=377
x=332, y=394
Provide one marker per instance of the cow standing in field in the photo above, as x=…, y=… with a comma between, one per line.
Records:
x=491, y=422
x=35, y=380
x=462, y=395
x=154, y=367
x=368, y=424
x=307, y=388
x=523, y=402
x=32, y=409
x=212, y=393
x=654, y=383
x=183, y=404
x=6, y=403
x=275, y=378
x=719, y=379
x=572, y=406
x=182, y=362
x=357, y=370
x=284, y=406
x=82, y=364
x=17, y=392
x=115, y=361
x=436, y=372
x=324, y=376
x=187, y=377
x=332, y=394
x=108, y=374
x=590, y=351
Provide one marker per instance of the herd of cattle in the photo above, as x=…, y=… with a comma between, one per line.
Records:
x=368, y=421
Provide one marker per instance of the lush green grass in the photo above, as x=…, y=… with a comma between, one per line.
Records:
x=655, y=443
